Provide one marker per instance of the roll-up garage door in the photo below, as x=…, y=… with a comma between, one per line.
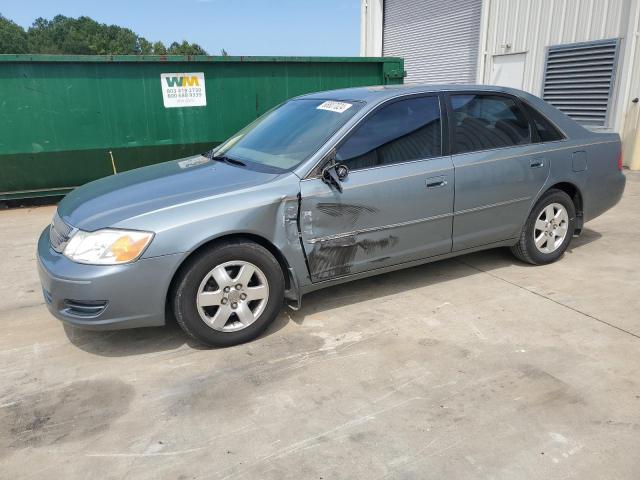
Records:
x=437, y=38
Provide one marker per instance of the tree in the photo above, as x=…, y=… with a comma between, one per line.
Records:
x=224, y=53
x=159, y=49
x=40, y=37
x=186, y=48
x=13, y=38
x=83, y=36
x=146, y=48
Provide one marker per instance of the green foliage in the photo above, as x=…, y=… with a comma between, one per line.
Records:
x=13, y=38
x=159, y=49
x=83, y=36
x=146, y=47
x=186, y=48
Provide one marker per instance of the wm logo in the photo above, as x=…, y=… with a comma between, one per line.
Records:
x=182, y=81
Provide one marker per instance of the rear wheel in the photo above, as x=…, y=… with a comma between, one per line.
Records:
x=228, y=294
x=548, y=230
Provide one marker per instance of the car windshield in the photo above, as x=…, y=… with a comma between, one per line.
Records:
x=289, y=134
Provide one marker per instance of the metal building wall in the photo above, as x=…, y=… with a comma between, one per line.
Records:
x=438, y=39
x=529, y=26
x=371, y=28
x=630, y=129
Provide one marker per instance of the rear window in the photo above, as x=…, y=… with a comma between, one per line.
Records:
x=546, y=131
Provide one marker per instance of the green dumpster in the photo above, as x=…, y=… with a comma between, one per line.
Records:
x=66, y=120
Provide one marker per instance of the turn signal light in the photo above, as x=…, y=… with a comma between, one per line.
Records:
x=126, y=249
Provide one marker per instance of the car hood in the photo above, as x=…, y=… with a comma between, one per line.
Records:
x=105, y=202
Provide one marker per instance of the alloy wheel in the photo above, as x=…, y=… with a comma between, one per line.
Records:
x=232, y=296
x=551, y=228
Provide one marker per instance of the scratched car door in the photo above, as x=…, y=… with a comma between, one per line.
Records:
x=397, y=201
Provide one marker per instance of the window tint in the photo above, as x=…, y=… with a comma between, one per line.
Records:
x=401, y=131
x=546, y=131
x=487, y=121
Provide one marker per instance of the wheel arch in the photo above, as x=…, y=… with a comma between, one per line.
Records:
x=576, y=196
x=290, y=283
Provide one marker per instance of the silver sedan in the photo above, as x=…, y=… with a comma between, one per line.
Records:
x=324, y=189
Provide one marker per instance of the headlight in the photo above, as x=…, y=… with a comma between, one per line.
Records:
x=107, y=247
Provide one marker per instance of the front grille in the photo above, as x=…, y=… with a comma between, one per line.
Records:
x=59, y=233
x=84, y=308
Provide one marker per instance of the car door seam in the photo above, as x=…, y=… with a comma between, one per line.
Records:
x=300, y=239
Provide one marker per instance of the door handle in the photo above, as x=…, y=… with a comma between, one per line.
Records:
x=435, y=182
x=536, y=162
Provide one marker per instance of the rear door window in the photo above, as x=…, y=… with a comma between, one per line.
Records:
x=401, y=131
x=485, y=121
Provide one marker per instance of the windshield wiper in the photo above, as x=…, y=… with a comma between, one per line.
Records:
x=231, y=161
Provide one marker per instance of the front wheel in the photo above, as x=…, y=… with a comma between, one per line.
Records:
x=548, y=230
x=228, y=294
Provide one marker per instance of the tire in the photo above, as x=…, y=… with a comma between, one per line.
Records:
x=526, y=248
x=203, y=296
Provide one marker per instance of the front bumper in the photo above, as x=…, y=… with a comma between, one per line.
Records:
x=105, y=297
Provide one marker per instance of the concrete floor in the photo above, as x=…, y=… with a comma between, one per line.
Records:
x=477, y=367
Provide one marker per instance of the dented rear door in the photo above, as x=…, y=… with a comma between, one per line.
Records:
x=394, y=208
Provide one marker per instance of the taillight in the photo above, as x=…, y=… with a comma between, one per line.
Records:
x=620, y=161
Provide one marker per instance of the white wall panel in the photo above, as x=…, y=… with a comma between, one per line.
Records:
x=530, y=26
x=371, y=28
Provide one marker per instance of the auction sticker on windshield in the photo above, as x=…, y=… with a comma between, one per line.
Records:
x=183, y=89
x=333, y=106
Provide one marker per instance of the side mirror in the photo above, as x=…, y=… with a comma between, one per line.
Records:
x=334, y=174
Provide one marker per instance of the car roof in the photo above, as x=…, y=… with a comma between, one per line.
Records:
x=383, y=92
x=375, y=95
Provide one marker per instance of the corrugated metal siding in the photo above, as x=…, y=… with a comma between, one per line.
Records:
x=524, y=26
x=438, y=39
